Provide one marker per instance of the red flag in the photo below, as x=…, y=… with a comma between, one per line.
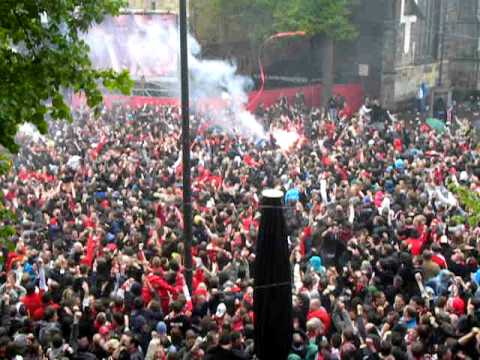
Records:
x=253, y=103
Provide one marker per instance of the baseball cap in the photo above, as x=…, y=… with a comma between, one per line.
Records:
x=161, y=328
x=221, y=310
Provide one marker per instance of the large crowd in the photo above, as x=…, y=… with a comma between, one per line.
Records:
x=384, y=261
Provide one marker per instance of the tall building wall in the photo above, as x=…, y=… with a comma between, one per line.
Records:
x=462, y=43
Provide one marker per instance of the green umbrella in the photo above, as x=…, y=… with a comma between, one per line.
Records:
x=437, y=125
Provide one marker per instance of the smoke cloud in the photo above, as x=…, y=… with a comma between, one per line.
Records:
x=148, y=45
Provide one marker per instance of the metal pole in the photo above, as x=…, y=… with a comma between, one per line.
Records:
x=187, y=191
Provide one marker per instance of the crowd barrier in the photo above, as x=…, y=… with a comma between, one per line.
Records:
x=353, y=94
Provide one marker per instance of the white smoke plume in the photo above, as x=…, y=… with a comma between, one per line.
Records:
x=149, y=48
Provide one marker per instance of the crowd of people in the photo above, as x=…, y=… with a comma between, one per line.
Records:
x=384, y=260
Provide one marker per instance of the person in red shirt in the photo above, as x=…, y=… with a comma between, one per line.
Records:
x=319, y=312
x=33, y=300
x=155, y=283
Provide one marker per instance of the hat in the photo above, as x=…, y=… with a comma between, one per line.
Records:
x=228, y=284
x=476, y=277
x=104, y=330
x=21, y=341
x=221, y=310
x=429, y=290
x=161, y=328
x=373, y=290
x=389, y=186
x=316, y=264
x=399, y=164
x=138, y=322
x=111, y=247
x=458, y=305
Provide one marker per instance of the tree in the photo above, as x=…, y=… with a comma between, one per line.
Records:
x=258, y=19
x=250, y=19
x=330, y=18
x=7, y=217
x=42, y=55
x=471, y=201
x=227, y=21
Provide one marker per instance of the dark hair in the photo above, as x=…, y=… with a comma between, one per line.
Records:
x=176, y=306
x=385, y=348
x=138, y=303
x=174, y=266
x=49, y=313
x=30, y=288
x=57, y=341
x=248, y=331
x=118, y=318
x=336, y=340
x=417, y=349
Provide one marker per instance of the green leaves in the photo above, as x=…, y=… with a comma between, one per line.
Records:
x=5, y=165
x=238, y=19
x=117, y=81
x=471, y=201
x=41, y=56
x=6, y=229
x=261, y=18
x=329, y=17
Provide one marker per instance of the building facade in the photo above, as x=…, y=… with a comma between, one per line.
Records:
x=399, y=47
x=462, y=43
x=401, y=44
x=435, y=42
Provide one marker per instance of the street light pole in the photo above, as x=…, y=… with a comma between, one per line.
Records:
x=187, y=191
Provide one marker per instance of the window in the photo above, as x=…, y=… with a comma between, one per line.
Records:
x=466, y=10
x=428, y=31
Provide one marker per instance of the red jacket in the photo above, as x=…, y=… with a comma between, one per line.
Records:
x=33, y=302
x=323, y=316
x=162, y=288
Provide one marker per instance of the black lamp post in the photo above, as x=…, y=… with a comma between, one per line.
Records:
x=187, y=191
x=272, y=296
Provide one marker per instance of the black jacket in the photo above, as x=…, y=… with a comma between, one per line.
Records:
x=219, y=353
